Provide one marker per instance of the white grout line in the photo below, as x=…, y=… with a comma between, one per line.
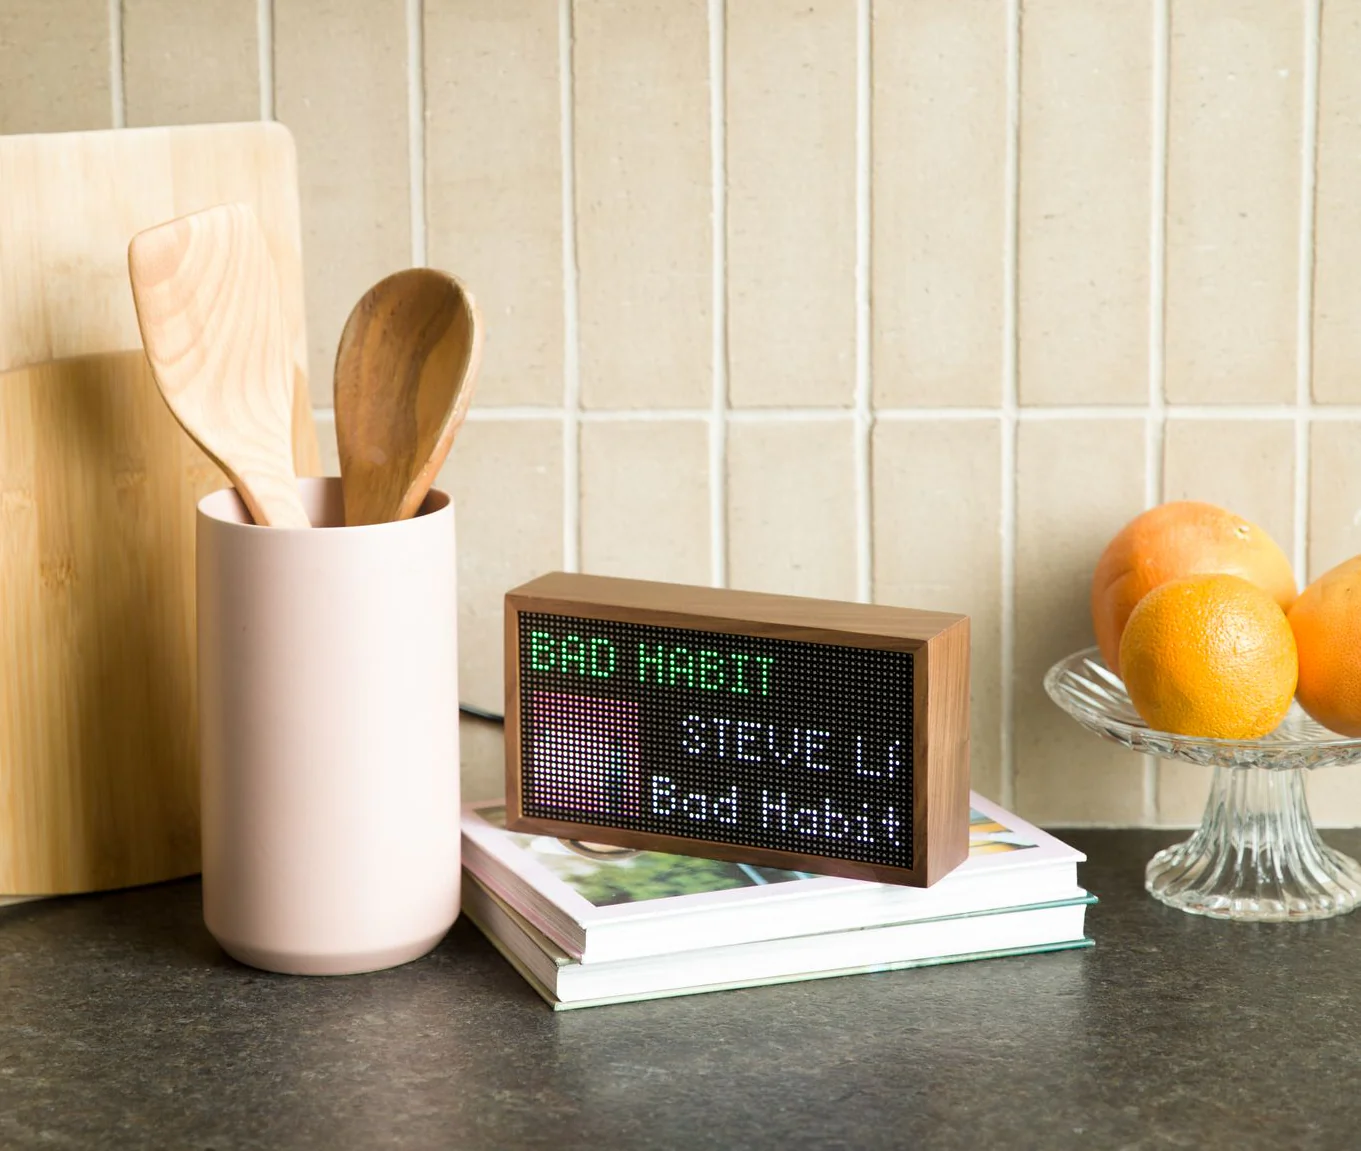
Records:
x=1194, y=412
x=864, y=367
x=1313, y=17
x=645, y=416
x=264, y=37
x=1157, y=309
x=718, y=428
x=1010, y=401
x=1332, y=413
x=571, y=357
x=415, y=129
x=899, y=415
x=1157, y=255
x=478, y=415
x=117, y=97
x=791, y=415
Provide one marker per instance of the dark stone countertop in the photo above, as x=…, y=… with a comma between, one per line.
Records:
x=123, y=1025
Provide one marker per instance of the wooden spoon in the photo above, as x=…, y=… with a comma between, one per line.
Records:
x=405, y=372
x=208, y=305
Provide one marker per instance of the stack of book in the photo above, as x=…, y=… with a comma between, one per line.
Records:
x=588, y=924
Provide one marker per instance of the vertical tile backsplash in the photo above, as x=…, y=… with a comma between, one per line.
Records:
x=1337, y=208
x=340, y=83
x=640, y=121
x=56, y=70
x=918, y=300
x=1087, y=113
x=791, y=506
x=938, y=166
x=790, y=97
x=645, y=499
x=493, y=183
x=1077, y=481
x=938, y=544
x=190, y=63
x=1235, y=134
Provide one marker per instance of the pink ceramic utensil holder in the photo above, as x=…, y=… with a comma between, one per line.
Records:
x=328, y=697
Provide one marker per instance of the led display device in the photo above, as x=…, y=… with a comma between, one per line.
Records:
x=772, y=730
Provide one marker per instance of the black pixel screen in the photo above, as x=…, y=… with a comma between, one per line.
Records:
x=790, y=746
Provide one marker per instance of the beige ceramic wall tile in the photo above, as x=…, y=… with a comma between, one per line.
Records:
x=1334, y=797
x=1334, y=495
x=1078, y=483
x=1337, y=210
x=791, y=508
x=1083, y=262
x=938, y=544
x=791, y=75
x=645, y=500
x=506, y=480
x=1233, y=200
x=1247, y=466
x=341, y=86
x=482, y=754
x=493, y=169
x=190, y=63
x=938, y=217
x=643, y=202
x=54, y=65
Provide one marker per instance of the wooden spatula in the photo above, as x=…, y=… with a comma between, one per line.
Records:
x=207, y=298
x=405, y=370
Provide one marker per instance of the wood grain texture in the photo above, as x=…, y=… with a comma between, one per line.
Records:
x=405, y=373
x=98, y=728
x=774, y=616
x=98, y=763
x=947, y=750
x=207, y=299
x=938, y=641
x=70, y=202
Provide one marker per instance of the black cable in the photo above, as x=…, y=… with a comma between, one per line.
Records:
x=480, y=713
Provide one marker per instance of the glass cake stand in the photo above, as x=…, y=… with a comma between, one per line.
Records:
x=1257, y=855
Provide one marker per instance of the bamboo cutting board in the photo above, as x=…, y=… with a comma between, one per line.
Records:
x=98, y=723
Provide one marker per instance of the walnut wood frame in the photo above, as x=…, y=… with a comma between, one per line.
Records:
x=939, y=641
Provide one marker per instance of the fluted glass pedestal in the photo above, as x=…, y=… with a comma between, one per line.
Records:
x=1256, y=855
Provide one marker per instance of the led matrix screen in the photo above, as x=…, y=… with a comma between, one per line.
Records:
x=768, y=743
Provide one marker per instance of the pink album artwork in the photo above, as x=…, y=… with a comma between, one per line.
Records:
x=584, y=754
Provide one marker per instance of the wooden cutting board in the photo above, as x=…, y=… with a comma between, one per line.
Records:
x=98, y=721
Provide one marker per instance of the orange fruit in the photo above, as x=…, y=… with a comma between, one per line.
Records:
x=1174, y=540
x=1326, y=620
x=1209, y=655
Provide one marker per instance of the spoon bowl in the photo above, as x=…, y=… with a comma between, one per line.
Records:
x=405, y=373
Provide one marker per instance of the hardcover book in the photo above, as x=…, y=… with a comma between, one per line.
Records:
x=566, y=982
x=598, y=904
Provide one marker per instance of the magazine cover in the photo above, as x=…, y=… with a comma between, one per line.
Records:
x=592, y=886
